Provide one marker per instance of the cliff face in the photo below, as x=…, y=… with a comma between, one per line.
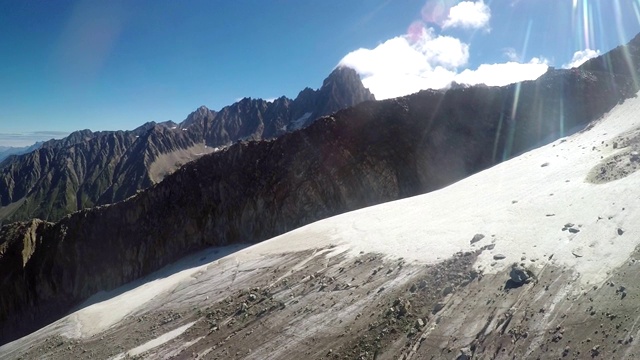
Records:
x=87, y=169
x=368, y=154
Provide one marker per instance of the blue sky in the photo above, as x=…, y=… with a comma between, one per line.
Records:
x=107, y=65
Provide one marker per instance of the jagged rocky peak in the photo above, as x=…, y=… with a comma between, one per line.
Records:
x=152, y=125
x=347, y=81
x=199, y=116
x=346, y=78
x=73, y=138
x=169, y=124
x=341, y=89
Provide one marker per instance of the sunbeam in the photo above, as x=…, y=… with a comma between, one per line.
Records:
x=506, y=153
x=585, y=23
x=636, y=10
x=622, y=36
x=527, y=36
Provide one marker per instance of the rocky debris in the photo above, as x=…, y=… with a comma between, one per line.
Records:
x=465, y=354
x=520, y=275
x=622, y=291
x=544, y=164
x=620, y=231
x=499, y=257
x=618, y=165
x=488, y=247
x=437, y=307
x=291, y=317
x=476, y=238
x=402, y=306
x=571, y=228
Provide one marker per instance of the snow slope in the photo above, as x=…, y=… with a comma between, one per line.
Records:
x=544, y=208
x=520, y=205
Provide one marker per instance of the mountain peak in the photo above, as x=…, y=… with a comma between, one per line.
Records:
x=347, y=78
x=198, y=116
x=341, y=89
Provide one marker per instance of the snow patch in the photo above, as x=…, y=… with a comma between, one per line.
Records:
x=162, y=339
x=299, y=123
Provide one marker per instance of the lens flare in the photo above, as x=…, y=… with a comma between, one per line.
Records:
x=527, y=36
x=628, y=59
x=508, y=146
x=561, y=117
x=636, y=10
x=585, y=24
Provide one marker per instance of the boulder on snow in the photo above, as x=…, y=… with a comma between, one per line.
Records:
x=476, y=238
x=519, y=274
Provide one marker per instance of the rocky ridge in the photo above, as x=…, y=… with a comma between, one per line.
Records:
x=87, y=168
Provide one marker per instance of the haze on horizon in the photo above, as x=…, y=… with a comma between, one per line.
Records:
x=118, y=64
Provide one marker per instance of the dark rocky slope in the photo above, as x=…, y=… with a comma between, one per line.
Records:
x=87, y=169
x=84, y=170
x=6, y=151
x=375, y=152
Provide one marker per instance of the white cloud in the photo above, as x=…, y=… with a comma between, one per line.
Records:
x=407, y=64
x=580, y=57
x=29, y=138
x=511, y=54
x=424, y=60
x=503, y=74
x=468, y=15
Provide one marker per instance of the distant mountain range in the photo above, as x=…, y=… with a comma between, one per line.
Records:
x=6, y=151
x=88, y=169
x=250, y=191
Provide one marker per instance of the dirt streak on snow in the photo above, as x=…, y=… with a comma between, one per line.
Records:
x=102, y=314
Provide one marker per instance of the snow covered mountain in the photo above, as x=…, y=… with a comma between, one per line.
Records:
x=533, y=258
